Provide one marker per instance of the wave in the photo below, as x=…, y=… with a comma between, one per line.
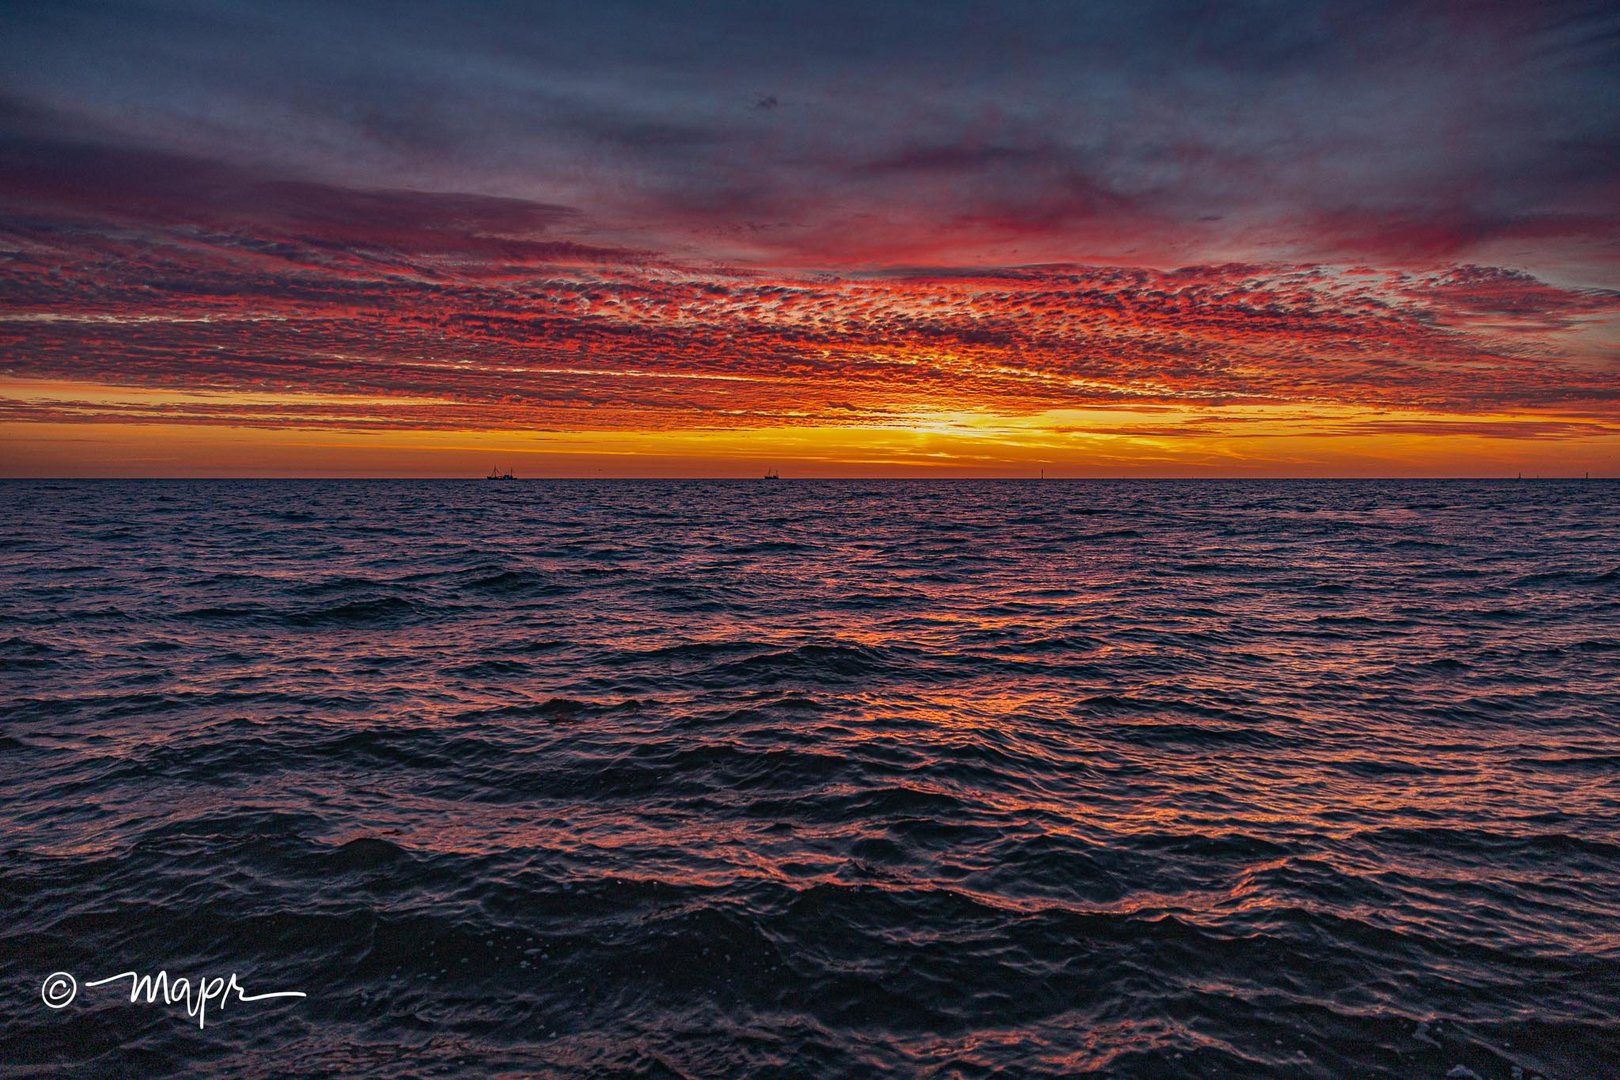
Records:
x=375, y=611
x=1259, y=779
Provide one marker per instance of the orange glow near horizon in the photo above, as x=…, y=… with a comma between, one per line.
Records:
x=627, y=370
x=1110, y=445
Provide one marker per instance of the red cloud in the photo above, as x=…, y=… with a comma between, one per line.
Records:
x=469, y=311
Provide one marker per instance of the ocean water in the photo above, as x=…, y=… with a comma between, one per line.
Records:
x=822, y=779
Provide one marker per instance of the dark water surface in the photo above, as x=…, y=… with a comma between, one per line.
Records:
x=1296, y=779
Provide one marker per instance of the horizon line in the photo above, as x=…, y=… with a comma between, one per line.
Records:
x=854, y=479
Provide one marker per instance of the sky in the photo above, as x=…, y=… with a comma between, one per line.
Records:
x=835, y=239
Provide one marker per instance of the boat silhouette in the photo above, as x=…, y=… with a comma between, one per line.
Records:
x=772, y=474
x=496, y=474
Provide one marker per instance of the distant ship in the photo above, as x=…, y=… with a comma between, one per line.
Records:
x=772, y=474
x=496, y=474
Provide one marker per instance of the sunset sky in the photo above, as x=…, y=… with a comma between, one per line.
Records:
x=898, y=239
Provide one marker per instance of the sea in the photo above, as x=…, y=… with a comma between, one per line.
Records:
x=811, y=778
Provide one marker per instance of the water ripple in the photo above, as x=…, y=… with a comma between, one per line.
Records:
x=1294, y=779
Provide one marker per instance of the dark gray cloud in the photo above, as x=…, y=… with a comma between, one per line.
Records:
x=1157, y=132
